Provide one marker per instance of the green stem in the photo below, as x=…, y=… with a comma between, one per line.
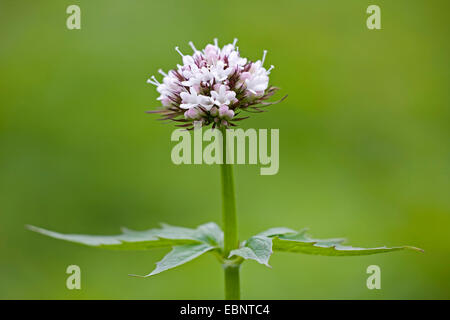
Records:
x=232, y=290
x=231, y=241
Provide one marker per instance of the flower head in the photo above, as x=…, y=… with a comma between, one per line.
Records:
x=213, y=86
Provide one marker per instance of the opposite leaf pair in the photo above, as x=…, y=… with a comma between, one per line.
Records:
x=189, y=244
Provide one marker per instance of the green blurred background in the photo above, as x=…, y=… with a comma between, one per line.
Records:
x=364, y=145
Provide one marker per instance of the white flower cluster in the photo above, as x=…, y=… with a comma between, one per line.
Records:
x=212, y=86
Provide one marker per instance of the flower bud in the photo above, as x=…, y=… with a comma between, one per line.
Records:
x=229, y=114
x=214, y=111
x=223, y=110
x=191, y=114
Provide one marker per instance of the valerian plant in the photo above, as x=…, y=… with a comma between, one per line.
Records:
x=212, y=87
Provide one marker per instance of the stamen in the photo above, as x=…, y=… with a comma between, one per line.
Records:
x=163, y=73
x=264, y=57
x=178, y=50
x=156, y=81
x=216, y=42
x=271, y=67
x=192, y=46
x=152, y=82
x=234, y=42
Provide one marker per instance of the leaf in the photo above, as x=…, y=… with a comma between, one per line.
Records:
x=210, y=233
x=300, y=242
x=258, y=248
x=165, y=236
x=178, y=256
x=276, y=231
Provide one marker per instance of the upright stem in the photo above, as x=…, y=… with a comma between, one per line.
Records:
x=232, y=291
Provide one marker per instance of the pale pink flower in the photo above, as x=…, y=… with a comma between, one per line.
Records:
x=212, y=86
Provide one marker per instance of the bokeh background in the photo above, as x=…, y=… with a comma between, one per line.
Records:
x=364, y=145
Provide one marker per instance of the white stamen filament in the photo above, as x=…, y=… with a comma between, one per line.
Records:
x=264, y=57
x=178, y=50
x=216, y=43
x=271, y=67
x=234, y=42
x=192, y=46
x=163, y=73
x=152, y=81
x=156, y=81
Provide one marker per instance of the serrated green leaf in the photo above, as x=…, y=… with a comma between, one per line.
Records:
x=258, y=248
x=276, y=231
x=300, y=242
x=210, y=233
x=166, y=236
x=178, y=256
